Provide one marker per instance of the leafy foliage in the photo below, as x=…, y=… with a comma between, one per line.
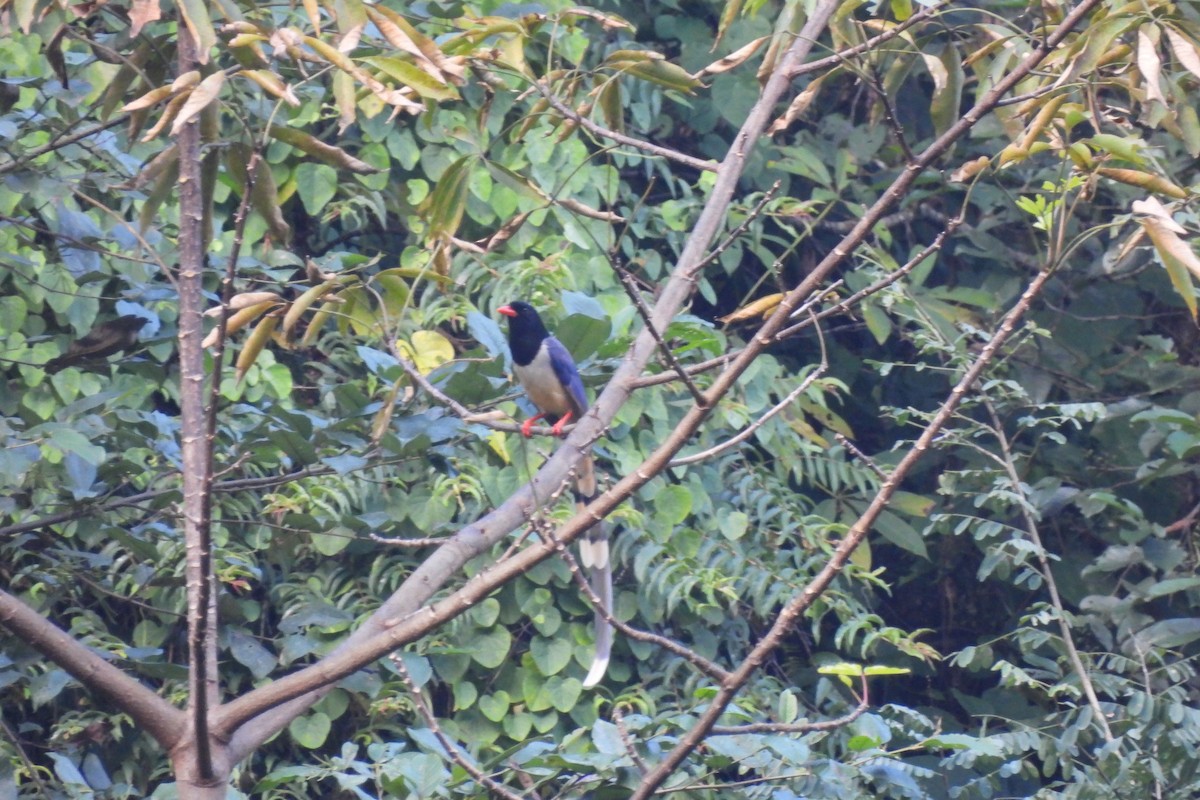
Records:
x=385, y=176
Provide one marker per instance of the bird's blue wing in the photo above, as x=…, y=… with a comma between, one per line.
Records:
x=567, y=373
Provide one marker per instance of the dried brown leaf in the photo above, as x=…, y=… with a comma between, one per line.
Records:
x=141, y=13
x=197, y=100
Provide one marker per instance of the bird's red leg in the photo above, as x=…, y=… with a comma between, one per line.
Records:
x=527, y=425
x=558, y=426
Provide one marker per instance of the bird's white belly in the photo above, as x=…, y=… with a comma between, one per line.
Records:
x=542, y=386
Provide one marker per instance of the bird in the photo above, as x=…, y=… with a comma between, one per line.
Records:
x=100, y=342
x=547, y=373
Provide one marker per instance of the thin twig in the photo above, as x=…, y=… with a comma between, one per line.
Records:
x=34, y=774
x=875, y=85
x=427, y=542
x=61, y=142
x=709, y=668
x=845, y=442
x=631, y=289
x=741, y=227
x=749, y=430
x=606, y=133
x=451, y=748
x=627, y=740
x=1016, y=485
x=844, y=55
x=864, y=702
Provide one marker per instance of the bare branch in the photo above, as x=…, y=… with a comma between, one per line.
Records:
x=860, y=528
x=246, y=721
x=861, y=456
x=158, y=717
x=627, y=740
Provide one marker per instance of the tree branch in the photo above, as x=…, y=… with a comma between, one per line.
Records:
x=158, y=717
x=196, y=445
x=620, y=138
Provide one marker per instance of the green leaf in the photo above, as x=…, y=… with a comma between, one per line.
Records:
x=47, y=686
x=583, y=335
x=672, y=505
x=788, y=708
x=564, y=692
x=449, y=199
x=333, y=542
x=664, y=73
x=69, y=440
x=1169, y=633
x=316, y=184
x=486, y=612
x=310, y=730
x=495, y=706
x=882, y=670
x=413, y=76
x=465, y=695
x=901, y=534
x=248, y=652
x=12, y=314
x=490, y=649
x=733, y=524
x=607, y=738
x=550, y=655
x=1173, y=585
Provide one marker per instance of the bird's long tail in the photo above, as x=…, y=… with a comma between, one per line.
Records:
x=593, y=553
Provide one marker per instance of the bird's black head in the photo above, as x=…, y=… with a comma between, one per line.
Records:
x=524, y=321
x=526, y=331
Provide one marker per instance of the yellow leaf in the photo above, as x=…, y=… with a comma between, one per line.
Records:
x=255, y=342
x=734, y=59
x=1185, y=51
x=1153, y=183
x=244, y=300
x=498, y=442
x=237, y=320
x=302, y=304
x=759, y=308
x=271, y=83
x=430, y=350
x=1177, y=256
x=150, y=98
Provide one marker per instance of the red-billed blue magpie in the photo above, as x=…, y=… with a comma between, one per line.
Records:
x=548, y=374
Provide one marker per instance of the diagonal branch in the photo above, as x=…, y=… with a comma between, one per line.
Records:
x=158, y=717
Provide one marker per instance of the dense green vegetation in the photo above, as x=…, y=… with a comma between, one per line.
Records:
x=952, y=556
